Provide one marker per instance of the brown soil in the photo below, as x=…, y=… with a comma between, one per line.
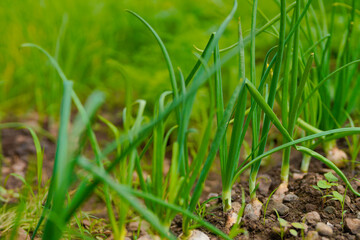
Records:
x=309, y=200
x=18, y=154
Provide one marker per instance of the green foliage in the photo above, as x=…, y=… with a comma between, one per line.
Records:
x=267, y=204
x=128, y=173
x=327, y=184
x=330, y=181
x=330, y=177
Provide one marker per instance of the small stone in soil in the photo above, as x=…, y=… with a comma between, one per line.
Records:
x=358, y=215
x=134, y=226
x=330, y=224
x=352, y=225
x=198, y=235
x=264, y=182
x=281, y=208
x=290, y=197
x=146, y=237
x=340, y=189
x=312, y=217
x=324, y=229
x=312, y=235
x=330, y=210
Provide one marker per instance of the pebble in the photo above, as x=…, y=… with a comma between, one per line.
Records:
x=324, y=229
x=134, y=226
x=145, y=237
x=281, y=208
x=312, y=217
x=340, y=189
x=264, y=182
x=330, y=225
x=312, y=235
x=358, y=215
x=352, y=225
x=290, y=197
x=330, y=210
x=198, y=235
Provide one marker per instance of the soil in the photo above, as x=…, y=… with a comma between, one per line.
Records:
x=309, y=200
x=18, y=152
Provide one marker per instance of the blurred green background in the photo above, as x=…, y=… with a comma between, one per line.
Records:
x=99, y=46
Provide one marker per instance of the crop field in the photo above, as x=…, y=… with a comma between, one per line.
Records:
x=198, y=120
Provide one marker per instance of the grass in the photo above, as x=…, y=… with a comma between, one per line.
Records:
x=129, y=171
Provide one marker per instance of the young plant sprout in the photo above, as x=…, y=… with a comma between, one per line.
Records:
x=326, y=185
x=338, y=95
x=255, y=205
x=229, y=161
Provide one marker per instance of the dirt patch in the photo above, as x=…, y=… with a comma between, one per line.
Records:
x=19, y=153
x=307, y=200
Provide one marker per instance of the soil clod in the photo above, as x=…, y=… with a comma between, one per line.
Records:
x=352, y=225
x=312, y=218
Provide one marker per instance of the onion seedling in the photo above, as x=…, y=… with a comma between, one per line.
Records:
x=256, y=205
x=229, y=161
x=339, y=96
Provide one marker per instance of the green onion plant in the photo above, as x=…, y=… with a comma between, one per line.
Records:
x=128, y=172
